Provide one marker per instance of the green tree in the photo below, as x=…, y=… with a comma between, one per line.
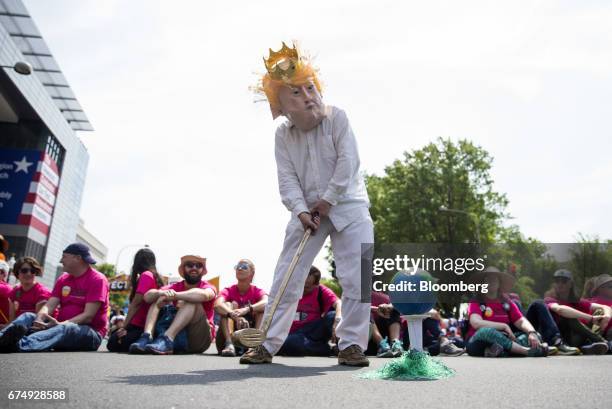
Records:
x=590, y=257
x=107, y=269
x=407, y=203
x=528, y=258
x=407, y=199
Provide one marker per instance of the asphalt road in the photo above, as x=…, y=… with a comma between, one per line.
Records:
x=108, y=380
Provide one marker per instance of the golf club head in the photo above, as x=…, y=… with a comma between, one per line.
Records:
x=249, y=337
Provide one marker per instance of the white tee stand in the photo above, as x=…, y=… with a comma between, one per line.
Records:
x=415, y=330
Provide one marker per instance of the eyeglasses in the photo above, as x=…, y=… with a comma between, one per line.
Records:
x=24, y=270
x=561, y=280
x=241, y=266
x=194, y=265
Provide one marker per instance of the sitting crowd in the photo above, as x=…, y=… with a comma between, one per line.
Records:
x=189, y=315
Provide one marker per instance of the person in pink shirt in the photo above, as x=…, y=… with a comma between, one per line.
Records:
x=7, y=310
x=385, y=325
x=181, y=314
x=577, y=318
x=81, y=296
x=29, y=295
x=242, y=303
x=144, y=277
x=314, y=325
x=494, y=318
x=598, y=290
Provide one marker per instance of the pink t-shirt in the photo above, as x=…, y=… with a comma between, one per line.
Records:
x=207, y=305
x=74, y=293
x=26, y=300
x=582, y=306
x=146, y=282
x=308, y=308
x=377, y=299
x=494, y=311
x=600, y=300
x=5, y=290
x=252, y=296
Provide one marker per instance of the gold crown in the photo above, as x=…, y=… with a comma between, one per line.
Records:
x=283, y=64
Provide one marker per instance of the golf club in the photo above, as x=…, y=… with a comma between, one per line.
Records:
x=252, y=337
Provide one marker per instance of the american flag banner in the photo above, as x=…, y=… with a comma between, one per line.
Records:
x=29, y=181
x=37, y=209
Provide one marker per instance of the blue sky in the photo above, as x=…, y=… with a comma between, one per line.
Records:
x=182, y=159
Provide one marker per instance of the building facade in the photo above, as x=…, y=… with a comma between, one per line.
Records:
x=43, y=163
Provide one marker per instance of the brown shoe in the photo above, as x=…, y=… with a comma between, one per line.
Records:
x=257, y=355
x=353, y=356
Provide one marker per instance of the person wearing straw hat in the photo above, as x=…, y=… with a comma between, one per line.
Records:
x=494, y=318
x=578, y=319
x=599, y=290
x=6, y=307
x=321, y=185
x=187, y=306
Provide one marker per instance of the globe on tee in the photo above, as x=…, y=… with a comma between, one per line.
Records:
x=412, y=302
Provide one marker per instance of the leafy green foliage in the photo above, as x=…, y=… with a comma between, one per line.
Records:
x=407, y=199
x=333, y=285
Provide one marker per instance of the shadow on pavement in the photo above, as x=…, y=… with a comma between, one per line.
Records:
x=271, y=371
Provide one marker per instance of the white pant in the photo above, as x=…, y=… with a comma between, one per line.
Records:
x=346, y=245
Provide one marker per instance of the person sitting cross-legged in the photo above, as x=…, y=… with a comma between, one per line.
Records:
x=314, y=326
x=187, y=306
x=81, y=294
x=496, y=325
x=241, y=304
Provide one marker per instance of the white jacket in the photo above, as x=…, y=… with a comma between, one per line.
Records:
x=322, y=163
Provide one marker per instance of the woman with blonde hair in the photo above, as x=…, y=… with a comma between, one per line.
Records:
x=240, y=306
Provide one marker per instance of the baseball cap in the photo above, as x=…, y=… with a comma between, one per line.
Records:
x=563, y=273
x=80, y=249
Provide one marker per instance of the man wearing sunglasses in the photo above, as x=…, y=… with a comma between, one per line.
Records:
x=183, y=311
x=242, y=304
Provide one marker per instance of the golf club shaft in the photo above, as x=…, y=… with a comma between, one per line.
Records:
x=286, y=279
